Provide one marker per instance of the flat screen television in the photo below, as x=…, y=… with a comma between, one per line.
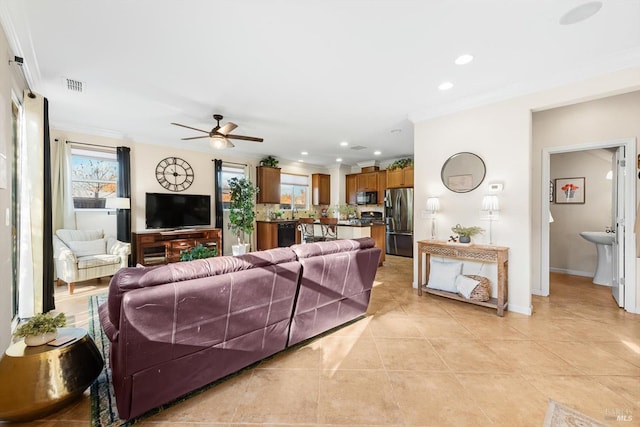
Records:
x=168, y=210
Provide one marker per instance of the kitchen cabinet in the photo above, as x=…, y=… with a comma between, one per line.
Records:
x=351, y=189
x=382, y=185
x=367, y=181
x=320, y=189
x=268, y=181
x=161, y=247
x=268, y=234
x=400, y=177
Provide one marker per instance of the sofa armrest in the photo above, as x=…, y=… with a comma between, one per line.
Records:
x=116, y=247
x=62, y=253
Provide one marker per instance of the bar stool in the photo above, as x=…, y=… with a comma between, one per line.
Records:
x=305, y=227
x=329, y=229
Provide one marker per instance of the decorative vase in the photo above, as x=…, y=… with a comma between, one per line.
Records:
x=465, y=239
x=36, y=340
x=239, y=249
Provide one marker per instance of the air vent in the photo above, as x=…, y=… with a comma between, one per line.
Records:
x=74, y=85
x=358, y=147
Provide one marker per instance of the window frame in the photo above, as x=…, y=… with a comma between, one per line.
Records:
x=294, y=181
x=93, y=154
x=226, y=175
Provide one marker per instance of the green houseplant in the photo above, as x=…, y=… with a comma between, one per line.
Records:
x=41, y=328
x=270, y=161
x=465, y=233
x=401, y=163
x=241, y=211
x=197, y=252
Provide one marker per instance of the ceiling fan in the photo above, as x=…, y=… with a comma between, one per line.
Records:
x=219, y=136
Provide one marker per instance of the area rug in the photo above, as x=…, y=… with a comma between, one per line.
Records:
x=559, y=415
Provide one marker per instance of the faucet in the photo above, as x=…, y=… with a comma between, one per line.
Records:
x=293, y=213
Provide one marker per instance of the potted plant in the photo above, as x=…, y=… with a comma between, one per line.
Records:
x=197, y=252
x=241, y=211
x=400, y=164
x=347, y=211
x=41, y=328
x=465, y=233
x=269, y=161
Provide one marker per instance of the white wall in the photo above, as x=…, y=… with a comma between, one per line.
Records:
x=568, y=252
x=502, y=135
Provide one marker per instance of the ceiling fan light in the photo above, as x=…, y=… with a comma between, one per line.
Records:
x=219, y=142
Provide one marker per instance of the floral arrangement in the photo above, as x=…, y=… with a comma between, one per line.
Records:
x=347, y=211
x=269, y=161
x=466, y=231
x=569, y=190
x=401, y=163
x=41, y=324
x=197, y=252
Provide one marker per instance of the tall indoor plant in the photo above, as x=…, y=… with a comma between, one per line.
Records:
x=241, y=211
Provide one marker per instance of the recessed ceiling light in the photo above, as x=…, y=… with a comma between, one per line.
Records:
x=377, y=153
x=445, y=86
x=339, y=159
x=464, y=59
x=305, y=153
x=580, y=13
x=344, y=143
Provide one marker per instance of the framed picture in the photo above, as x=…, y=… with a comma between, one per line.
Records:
x=569, y=190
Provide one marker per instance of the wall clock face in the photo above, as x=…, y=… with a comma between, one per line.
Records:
x=174, y=174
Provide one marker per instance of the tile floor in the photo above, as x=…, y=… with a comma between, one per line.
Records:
x=427, y=361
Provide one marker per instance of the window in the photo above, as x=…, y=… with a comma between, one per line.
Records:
x=294, y=191
x=94, y=177
x=228, y=172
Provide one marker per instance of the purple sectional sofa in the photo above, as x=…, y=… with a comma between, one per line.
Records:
x=177, y=327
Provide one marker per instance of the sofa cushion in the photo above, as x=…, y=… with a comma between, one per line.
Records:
x=130, y=278
x=308, y=250
x=67, y=235
x=82, y=248
x=97, y=261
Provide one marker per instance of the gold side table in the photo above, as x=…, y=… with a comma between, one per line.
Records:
x=37, y=381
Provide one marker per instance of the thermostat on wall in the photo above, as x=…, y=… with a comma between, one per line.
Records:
x=495, y=187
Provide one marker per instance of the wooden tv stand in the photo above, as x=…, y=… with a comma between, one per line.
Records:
x=161, y=247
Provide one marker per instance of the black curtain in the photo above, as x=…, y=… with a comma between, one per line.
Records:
x=124, y=190
x=48, y=302
x=217, y=197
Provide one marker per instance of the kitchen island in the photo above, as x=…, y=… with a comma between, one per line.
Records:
x=268, y=233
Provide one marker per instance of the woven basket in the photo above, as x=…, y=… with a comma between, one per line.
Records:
x=482, y=292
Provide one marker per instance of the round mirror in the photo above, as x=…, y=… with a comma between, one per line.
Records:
x=463, y=172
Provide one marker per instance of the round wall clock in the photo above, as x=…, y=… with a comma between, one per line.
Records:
x=174, y=174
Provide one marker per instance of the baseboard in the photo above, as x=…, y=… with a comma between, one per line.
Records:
x=538, y=292
x=571, y=272
x=520, y=309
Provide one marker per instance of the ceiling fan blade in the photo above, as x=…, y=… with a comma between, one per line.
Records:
x=245, y=138
x=227, y=128
x=189, y=127
x=195, y=137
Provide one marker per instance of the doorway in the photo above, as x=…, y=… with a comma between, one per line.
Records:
x=625, y=190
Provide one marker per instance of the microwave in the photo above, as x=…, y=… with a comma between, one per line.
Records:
x=366, y=197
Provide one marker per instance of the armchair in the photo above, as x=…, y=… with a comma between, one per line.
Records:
x=87, y=254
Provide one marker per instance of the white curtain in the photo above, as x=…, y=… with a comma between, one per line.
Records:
x=31, y=202
x=63, y=213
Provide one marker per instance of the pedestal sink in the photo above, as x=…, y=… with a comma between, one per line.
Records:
x=603, y=242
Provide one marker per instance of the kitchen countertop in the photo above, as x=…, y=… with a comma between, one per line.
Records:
x=345, y=223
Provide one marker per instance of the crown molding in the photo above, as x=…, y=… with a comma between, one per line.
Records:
x=30, y=65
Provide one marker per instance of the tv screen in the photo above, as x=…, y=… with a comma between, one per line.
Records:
x=166, y=210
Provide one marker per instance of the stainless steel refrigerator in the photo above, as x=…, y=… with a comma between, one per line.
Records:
x=398, y=204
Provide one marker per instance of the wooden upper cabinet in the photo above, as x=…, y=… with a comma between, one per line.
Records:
x=320, y=189
x=351, y=189
x=382, y=185
x=367, y=181
x=400, y=178
x=268, y=181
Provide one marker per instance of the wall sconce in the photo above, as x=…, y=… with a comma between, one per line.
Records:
x=433, y=206
x=491, y=205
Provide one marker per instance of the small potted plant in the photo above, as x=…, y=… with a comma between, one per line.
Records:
x=401, y=164
x=41, y=328
x=241, y=211
x=197, y=252
x=465, y=233
x=269, y=161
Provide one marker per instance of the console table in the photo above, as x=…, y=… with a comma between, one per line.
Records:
x=161, y=247
x=478, y=253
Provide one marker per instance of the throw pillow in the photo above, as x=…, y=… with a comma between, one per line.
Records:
x=442, y=274
x=88, y=247
x=465, y=285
